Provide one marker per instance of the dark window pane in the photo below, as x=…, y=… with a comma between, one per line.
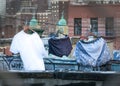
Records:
x=77, y=26
x=94, y=25
x=109, y=25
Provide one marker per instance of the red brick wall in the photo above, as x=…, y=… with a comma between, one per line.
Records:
x=101, y=25
x=88, y=11
x=117, y=43
x=85, y=25
x=101, y=12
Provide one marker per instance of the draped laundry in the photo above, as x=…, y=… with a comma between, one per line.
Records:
x=93, y=53
x=60, y=46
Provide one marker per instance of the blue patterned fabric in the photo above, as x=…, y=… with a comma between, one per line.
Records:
x=116, y=54
x=94, y=53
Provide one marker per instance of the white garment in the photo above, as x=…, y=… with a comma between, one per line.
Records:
x=31, y=50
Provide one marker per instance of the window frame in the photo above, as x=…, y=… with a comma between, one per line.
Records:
x=94, y=25
x=77, y=26
x=109, y=26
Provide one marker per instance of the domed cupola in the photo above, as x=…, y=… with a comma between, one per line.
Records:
x=62, y=22
x=33, y=22
x=62, y=26
x=35, y=26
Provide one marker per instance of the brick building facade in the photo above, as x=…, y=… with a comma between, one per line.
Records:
x=107, y=19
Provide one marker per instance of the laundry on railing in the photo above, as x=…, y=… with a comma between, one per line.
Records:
x=60, y=46
x=93, y=53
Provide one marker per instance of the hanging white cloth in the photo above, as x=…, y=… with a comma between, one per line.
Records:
x=31, y=50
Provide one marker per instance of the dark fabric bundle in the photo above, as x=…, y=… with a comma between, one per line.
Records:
x=60, y=47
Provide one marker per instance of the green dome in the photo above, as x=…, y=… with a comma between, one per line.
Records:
x=62, y=22
x=33, y=22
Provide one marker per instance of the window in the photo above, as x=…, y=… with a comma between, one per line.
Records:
x=94, y=25
x=109, y=26
x=77, y=26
